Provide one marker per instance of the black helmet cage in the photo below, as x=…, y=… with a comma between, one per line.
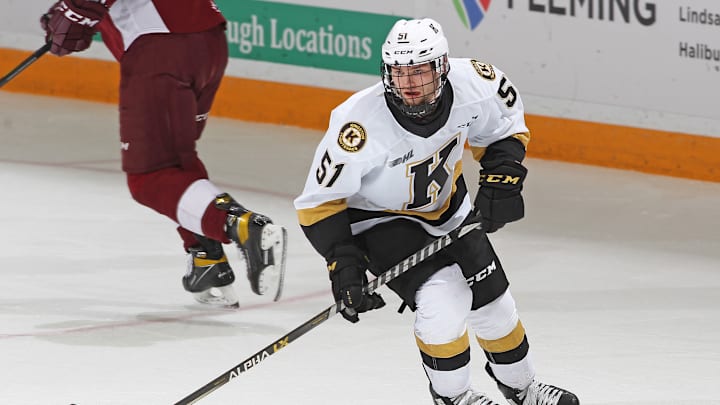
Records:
x=441, y=67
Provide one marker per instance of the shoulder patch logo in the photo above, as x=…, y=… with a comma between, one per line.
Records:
x=485, y=70
x=352, y=137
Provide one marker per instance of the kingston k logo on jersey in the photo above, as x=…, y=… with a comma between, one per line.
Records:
x=429, y=176
x=472, y=12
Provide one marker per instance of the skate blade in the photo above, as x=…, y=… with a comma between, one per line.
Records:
x=273, y=277
x=218, y=297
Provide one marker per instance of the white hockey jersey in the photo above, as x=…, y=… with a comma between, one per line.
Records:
x=378, y=171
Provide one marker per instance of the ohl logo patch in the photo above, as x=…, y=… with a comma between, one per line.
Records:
x=472, y=12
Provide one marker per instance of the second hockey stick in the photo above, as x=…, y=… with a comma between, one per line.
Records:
x=24, y=64
x=390, y=274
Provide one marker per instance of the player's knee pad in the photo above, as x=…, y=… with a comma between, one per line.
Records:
x=495, y=319
x=499, y=331
x=443, y=303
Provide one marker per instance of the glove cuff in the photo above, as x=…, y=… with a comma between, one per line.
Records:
x=503, y=210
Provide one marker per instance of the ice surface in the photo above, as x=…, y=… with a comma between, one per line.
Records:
x=616, y=275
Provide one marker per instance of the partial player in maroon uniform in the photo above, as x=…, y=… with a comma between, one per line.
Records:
x=173, y=55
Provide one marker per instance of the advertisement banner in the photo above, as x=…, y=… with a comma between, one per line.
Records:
x=327, y=38
x=646, y=63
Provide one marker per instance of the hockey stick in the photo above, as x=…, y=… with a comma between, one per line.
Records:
x=392, y=273
x=24, y=64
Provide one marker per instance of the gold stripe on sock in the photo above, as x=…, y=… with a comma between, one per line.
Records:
x=445, y=350
x=505, y=343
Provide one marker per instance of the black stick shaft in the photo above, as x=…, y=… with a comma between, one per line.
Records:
x=384, y=278
x=24, y=64
x=263, y=354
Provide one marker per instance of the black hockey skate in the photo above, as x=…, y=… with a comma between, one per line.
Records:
x=469, y=397
x=536, y=394
x=209, y=277
x=261, y=243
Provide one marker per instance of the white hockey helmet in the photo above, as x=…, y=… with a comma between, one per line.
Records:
x=410, y=43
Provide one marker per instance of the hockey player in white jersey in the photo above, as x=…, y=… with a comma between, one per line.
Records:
x=387, y=178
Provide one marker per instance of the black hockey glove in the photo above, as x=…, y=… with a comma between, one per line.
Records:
x=498, y=200
x=347, y=265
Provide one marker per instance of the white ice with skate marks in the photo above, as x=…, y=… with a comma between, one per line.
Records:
x=616, y=276
x=219, y=296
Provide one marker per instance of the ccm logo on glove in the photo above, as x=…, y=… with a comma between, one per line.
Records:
x=499, y=178
x=71, y=15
